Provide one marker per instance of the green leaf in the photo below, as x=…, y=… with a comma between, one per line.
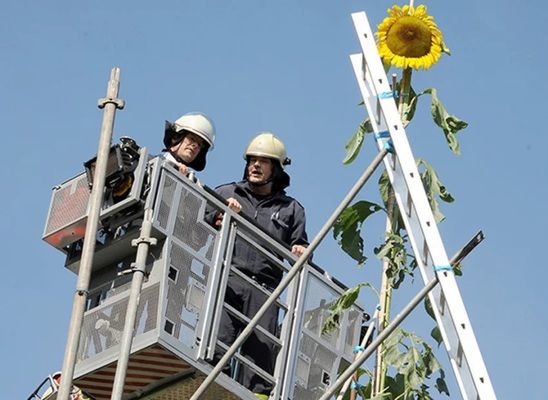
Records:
x=436, y=334
x=409, y=108
x=429, y=309
x=450, y=124
x=345, y=301
x=434, y=189
x=445, y=49
x=441, y=385
x=354, y=145
x=395, y=252
x=347, y=229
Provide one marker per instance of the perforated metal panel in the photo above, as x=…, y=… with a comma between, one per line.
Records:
x=103, y=326
x=320, y=356
x=66, y=221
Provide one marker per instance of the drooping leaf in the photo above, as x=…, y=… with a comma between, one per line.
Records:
x=436, y=335
x=434, y=189
x=354, y=145
x=450, y=124
x=394, y=251
x=409, y=107
x=345, y=301
x=441, y=385
x=347, y=229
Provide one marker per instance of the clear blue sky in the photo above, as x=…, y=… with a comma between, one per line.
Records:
x=281, y=66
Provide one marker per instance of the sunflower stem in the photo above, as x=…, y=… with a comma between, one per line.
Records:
x=404, y=89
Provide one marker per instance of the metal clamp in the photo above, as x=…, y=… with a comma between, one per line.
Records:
x=148, y=240
x=119, y=103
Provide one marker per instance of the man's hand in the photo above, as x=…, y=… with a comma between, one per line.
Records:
x=298, y=249
x=234, y=205
x=182, y=168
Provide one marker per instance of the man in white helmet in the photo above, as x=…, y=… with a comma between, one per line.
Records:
x=187, y=141
x=261, y=197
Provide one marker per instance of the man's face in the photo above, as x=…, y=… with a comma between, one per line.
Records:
x=259, y=169
x=189, y=147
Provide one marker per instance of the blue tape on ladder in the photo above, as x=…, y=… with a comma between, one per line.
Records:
x=388, y=146
x=358, y=349
x=439, y=268
x=385, y=95
x=355, y=385
x=381, y=135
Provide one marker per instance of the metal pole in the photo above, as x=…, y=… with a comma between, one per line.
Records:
x=346, y=375
x=362, y=344
x=110, y=104
x=143, y=243
x=291, y=274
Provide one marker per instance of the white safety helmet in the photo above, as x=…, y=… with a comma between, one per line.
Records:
x=197, y=123
x=268, y=145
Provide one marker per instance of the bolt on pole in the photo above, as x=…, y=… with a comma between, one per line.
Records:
x=109, y=104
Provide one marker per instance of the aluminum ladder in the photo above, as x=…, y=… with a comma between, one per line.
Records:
x=451, y=316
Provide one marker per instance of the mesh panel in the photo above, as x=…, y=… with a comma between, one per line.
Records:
x=103, y=326
x=321, y=364
x=187, y=278
x=69, y=204
x=167, y=199
x=187, y=227
x=352, y=332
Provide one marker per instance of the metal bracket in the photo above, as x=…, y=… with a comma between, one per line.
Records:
x=119, y=103
x=149, y=240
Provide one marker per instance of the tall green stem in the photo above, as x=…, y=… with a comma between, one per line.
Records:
x=391, y=221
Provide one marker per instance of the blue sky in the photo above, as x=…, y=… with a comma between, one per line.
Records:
x=280, y=66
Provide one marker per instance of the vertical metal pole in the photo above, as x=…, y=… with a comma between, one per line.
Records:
x=110, y=104
x=291, y=274
x=143, y=243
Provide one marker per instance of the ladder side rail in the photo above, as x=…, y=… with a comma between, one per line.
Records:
x=417, y=239
x=400, y=189
x=469, y=348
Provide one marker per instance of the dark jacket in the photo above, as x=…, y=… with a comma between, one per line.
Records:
x=279, y=215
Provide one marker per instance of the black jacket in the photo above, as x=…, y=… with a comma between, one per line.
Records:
x=279, y=215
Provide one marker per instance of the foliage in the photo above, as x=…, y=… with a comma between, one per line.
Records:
x=347, y=229
x=394, y=250
x=344, y=302
x=410, y=361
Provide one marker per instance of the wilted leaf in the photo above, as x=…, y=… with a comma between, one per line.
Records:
x=434, y=188
x=347, y=229
x=450, y=124
x=436, y=335
x=354, y=145
x=345, y=301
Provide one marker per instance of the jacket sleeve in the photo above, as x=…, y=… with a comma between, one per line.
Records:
x=298, y=234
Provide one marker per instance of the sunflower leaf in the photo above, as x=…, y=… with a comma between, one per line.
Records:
x=354, y=145
x=344, y=302
x=434, y=188
x=347, y=229
x=450, y=124
x=445, y=49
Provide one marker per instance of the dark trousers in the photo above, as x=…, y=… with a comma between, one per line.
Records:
x=257, y=348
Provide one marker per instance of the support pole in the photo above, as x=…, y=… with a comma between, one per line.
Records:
x=143, y=244
x=110, y=104
x=291, y=274
x=347, y=374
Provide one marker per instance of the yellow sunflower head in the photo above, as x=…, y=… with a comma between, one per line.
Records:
x=409, y=38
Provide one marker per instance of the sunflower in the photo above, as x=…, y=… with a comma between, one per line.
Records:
x=409, y=38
